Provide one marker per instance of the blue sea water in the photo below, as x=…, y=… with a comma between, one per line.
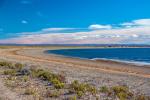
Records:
x=130, y=55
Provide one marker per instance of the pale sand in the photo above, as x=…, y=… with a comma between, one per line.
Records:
x=95, y=72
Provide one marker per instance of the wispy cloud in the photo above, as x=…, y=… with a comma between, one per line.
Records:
x=58, y=29
x=24, y=22
x=138, y=33
x=139, y=22
x=98, y=26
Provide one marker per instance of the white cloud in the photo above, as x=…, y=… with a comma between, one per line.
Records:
x=137, y=23
x=24, y=22
x=98, y=26
x=142, y=22
x=57, y=29
x=102, y=35
x=126, y=35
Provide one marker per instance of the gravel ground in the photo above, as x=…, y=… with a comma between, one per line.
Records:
x=97, y=73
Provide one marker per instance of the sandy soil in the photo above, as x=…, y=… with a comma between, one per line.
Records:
x=98, y=73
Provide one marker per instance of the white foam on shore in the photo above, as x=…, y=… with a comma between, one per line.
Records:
x=137, y=63
x=124, y=61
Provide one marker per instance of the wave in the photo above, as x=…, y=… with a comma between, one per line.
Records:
x=139, y=63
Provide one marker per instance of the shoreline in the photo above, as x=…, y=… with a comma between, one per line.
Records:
x=106, y=65
x=95, y=72
x=132, y=62
x=137, y=63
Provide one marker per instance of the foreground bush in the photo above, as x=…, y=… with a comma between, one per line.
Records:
x=17, y=74
x=10, y=72
x=122, y=92
x=6, y=64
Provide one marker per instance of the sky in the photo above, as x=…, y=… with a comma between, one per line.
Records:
x=75, y=21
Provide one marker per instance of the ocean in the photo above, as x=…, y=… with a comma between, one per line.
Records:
x=128, y=55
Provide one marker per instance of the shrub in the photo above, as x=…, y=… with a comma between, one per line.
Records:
x=93, y=90
x=54, y=94
x=81, y=88
x=119, y=89
x=57, y=84
x=25, y=78
x=45, y=75
x=11, y=78
x=122, y=95
x=10, y=72
x=80, y=94
x=19, y=66
x=73, y=98
x=104, y=89
x=122, y=92
x=6, y=64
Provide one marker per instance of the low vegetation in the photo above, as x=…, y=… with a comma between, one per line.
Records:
x=42, y=83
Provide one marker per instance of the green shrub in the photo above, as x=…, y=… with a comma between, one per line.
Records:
x=93, y=90
x=57, y=84
x=81, y=88
x=119, y=89
x=10, y=72
x=6, y=64
x=44, y=74
x=122, y=92
x=122, y=95
x=104, y=89
x=25, y=78
x=73, y=98
x=80, y=94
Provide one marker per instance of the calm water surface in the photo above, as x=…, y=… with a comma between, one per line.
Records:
x=140, y=55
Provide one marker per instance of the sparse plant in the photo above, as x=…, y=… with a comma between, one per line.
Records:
x=19, y=66
x=122, y=92
x=10, y=72
x=11, y=78
x=93, y=90
x=104, y=89
x=73, y=98
x=52, y=94
x=57, y=84
x=6, y=64
x=80, y=88
x=25, y=78
x=80, y=93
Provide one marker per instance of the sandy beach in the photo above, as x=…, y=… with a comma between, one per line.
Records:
x=99, y=73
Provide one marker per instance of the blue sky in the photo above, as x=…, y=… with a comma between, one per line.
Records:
x=21, y=19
